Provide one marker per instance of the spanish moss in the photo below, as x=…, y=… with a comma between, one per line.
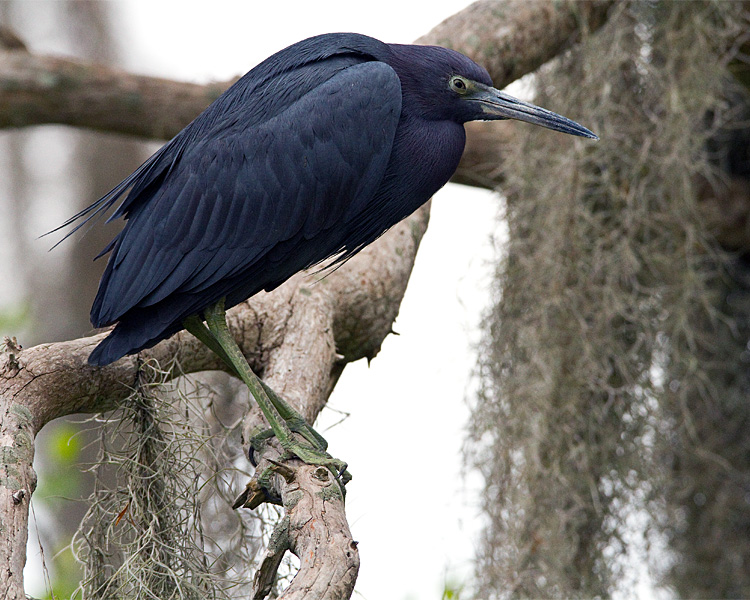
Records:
x=611, y=334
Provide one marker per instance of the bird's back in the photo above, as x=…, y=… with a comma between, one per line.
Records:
x=268, y=181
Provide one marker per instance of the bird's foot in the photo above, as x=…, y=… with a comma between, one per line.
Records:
x=296, y=422
x=313, y=452
x=313, y=456
x=260, y=488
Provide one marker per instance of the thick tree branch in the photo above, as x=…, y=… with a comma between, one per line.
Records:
x=17, y=482
x=516, y=37
x=35, y=90
x=288, y=336
x=344, y=317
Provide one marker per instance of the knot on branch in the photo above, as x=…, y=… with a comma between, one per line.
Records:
x=9, y=351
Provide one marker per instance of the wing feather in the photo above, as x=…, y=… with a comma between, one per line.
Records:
x=255, y=194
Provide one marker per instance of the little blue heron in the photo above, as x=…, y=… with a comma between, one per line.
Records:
x=310, y=156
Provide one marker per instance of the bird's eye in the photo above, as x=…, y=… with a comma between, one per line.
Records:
x=459, y=85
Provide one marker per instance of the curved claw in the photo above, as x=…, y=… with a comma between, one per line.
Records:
x=344, y=476
x=306, y=453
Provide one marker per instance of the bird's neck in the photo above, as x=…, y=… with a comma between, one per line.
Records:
x=425, y=156
x=436, y=146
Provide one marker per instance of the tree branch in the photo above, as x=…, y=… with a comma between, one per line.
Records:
x=344, y=317
x=515, y=37
x=46, y=89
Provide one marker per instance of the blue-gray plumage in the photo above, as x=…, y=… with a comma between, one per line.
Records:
x=311, y=155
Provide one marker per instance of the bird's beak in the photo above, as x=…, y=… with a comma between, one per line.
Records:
x=499, y=105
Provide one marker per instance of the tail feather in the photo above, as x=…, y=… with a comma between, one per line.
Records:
x=131, y=335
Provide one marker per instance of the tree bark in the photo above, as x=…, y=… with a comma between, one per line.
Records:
x=344, y=317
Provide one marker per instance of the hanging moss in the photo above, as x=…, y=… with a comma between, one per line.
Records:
x=160, y=522
x=608, y=314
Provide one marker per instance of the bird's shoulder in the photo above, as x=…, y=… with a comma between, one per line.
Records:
x=262, y=94
x=286, y=77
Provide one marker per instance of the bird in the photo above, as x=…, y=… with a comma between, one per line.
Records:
x=306, y=159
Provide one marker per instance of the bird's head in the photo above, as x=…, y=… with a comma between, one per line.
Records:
x=449, y=86
x=482, y=102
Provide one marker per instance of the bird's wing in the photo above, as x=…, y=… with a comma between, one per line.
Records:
x=264, y=91
x=245, y=191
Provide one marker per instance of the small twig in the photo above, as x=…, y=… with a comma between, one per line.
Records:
x=10, y=40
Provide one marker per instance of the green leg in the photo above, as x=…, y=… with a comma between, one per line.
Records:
x=275, y=410
x=294, y=420
x=195, y=326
